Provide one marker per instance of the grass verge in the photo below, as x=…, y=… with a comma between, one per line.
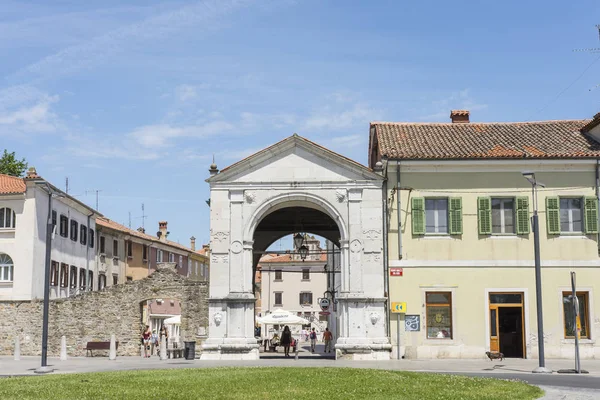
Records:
x=263, y=383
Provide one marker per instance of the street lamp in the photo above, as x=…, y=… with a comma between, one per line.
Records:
x=303, y=252
x=530, y=176
x=49, y=230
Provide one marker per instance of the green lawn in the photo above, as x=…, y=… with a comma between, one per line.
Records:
x=263, y=383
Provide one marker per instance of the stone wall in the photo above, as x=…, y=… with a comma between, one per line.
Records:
x=96, y=315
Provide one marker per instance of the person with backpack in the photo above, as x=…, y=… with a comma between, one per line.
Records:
x=313, y=340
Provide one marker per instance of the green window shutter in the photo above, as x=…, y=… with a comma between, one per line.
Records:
x=553, y=215
x=522, y=215
x=418, y=215
x=484, y=215
x=591, y=215
x=455, y=214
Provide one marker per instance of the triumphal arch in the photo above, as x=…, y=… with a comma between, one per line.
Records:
x=254, y=202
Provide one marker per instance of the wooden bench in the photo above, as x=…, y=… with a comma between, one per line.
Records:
x=175, y=353
x=98, y=346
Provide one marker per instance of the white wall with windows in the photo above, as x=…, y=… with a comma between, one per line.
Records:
x=23, y=242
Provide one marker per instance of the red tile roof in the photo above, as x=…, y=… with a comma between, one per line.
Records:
x=103, y=221
x=545, y=139
x=11, y=185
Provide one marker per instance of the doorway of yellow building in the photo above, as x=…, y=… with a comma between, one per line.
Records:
x=507, y=334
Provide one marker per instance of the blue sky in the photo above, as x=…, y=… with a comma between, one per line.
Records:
x=133, y=98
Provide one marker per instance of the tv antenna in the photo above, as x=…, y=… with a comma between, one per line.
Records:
x=94, y=191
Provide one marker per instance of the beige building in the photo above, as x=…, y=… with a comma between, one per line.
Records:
x=460, y=242
x=288, y=282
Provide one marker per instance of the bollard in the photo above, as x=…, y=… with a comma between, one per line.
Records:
x=142, y=351
x=163, y=347
x=297, y=347
x=63, y=348
x=113, y=348
x=17, y=349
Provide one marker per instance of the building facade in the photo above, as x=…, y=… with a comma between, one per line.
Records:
x=295, y=285
x=23, y=225
x=460, y=240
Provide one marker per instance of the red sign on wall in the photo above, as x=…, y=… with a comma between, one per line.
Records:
x=396, y=271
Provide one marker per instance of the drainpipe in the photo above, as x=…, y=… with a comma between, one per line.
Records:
x=598, y=197
x=386, y=278
x=87, y=255
x=398, y=216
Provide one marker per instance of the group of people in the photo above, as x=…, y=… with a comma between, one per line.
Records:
x=287, y=340
x=151, y=339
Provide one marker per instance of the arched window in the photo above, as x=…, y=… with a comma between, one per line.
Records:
x=8, y=218
x=6, y=268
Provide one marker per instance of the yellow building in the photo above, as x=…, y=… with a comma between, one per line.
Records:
x=461, y=247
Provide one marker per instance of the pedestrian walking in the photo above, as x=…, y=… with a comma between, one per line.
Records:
x=286, y=340
x=153, y=342
x=146, y=340
x=327, y=337
x=313, y=340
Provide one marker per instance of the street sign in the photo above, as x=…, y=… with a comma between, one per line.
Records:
x=324, y=303
x=399, y=307
x=324, y=312
x=396, y=271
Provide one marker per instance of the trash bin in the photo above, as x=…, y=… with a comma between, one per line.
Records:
x=190, y=350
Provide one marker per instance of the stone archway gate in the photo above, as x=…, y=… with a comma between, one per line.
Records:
x=296, y=173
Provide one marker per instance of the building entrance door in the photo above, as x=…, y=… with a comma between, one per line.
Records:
x=507, y=324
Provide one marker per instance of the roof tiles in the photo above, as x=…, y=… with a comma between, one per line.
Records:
x=545, y=139
x=11, y=184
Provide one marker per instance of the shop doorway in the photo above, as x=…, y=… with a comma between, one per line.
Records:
x=507, y=324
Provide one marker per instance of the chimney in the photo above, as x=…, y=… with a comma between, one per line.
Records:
x=459, y=116
x=162, y=231
x=32, y=174
x=141, y=230
x=206, y=249
x=193, y=243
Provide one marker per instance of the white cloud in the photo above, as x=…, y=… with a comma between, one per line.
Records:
x=461, y=100
x=186, y=92
x=161, y=135
x=26, y=110
x=359, y=114
x=347, y=141
x=201, y=15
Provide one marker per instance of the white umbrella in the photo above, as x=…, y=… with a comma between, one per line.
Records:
x=282, y=317
x=176, y=320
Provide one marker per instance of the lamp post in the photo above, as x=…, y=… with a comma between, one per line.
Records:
x=530, y=176
x=44, y=368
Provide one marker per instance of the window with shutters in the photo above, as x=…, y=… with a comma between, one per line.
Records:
x=115, y=248
x=565, y=215
x=503, y=215
x=436, y=215
x=74, y=228
x=54, y=273
x=145, y=252
x=102, y=245
x=73, y=277
x=64, y=226
x=83, y=234
x=82, y=276
x=101, y=281
x=90, y=280
x=278, y=275
x=54, y=220
x=64, y=275
x=91, y=241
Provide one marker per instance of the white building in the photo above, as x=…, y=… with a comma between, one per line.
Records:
x=23, y=222
x=294, y=285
